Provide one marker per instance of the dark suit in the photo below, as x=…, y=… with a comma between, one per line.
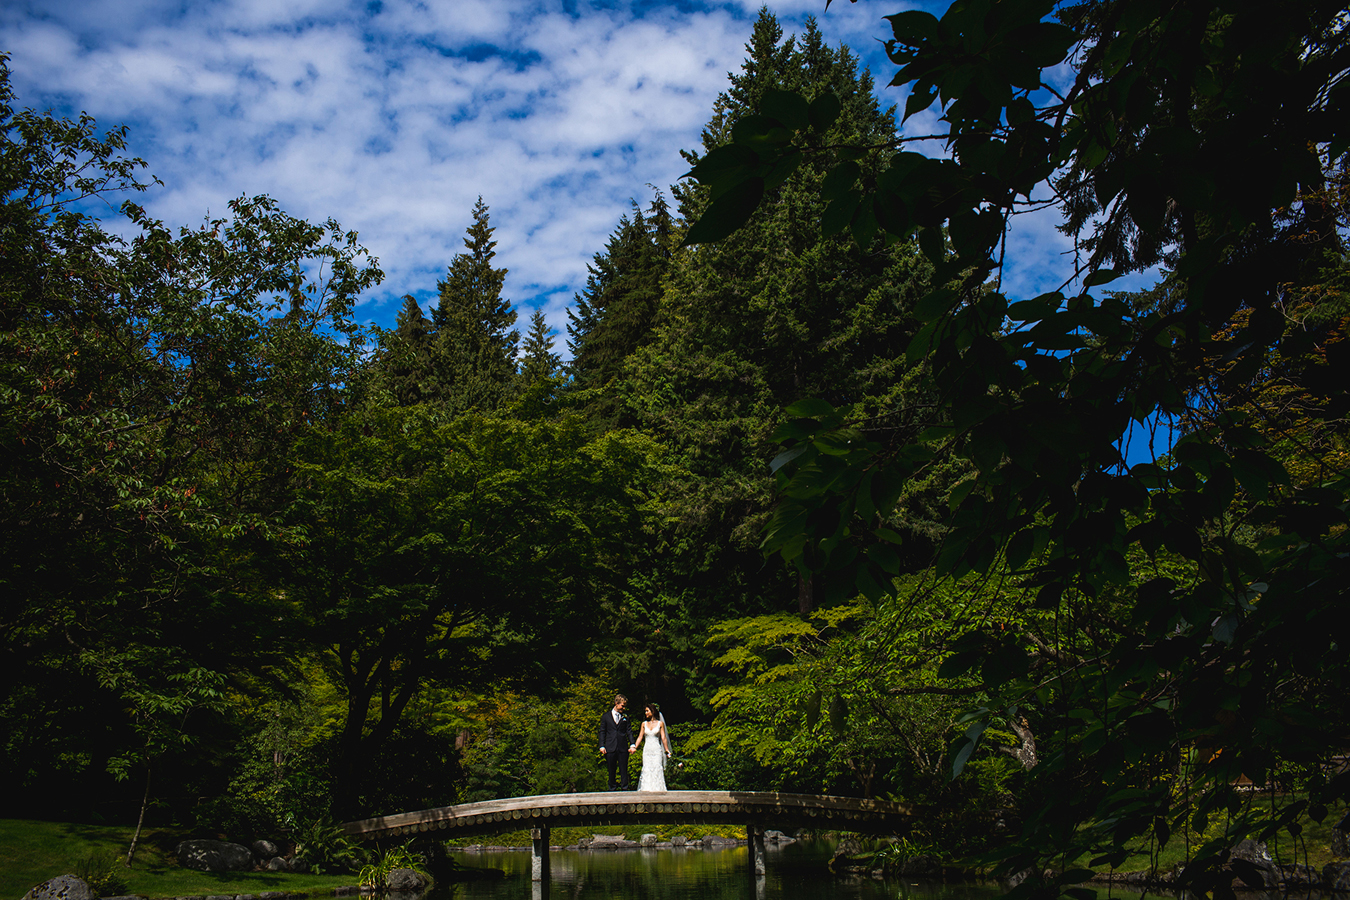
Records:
x=615, y=738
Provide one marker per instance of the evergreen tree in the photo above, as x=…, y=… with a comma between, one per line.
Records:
x=475, y=349
x=539, y=360
x=771, y=315
x=617, y=311
x=405, y=361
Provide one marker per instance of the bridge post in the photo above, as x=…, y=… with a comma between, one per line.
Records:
x=539, y=838
x=755, y=844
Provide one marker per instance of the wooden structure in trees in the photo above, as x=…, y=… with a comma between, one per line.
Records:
x=757, y=810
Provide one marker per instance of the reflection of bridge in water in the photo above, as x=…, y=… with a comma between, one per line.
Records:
x=756, y=810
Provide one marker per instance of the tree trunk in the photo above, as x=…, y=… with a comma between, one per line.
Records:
x=806, y=594
x=145, y=801
x=1025, y=754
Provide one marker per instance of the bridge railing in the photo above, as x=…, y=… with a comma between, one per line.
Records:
x=628, y=807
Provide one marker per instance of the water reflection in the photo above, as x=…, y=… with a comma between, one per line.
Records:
x=794, y=872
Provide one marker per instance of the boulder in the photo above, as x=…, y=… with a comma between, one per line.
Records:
x=62, y=887
x=406, y=881
x=1336, y=876
x=214, y=856
x=610, y=842
x=648, y=840
x=1250, y=861
x=277, y=864
x=1297, y=876
x=264, y=849
x=1340, y=838
x=677, y=840
x=777, y=837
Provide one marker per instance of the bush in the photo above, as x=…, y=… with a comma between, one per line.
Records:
x=324, y=849
x=101, y=871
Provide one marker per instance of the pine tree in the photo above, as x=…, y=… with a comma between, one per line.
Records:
x=405, y=359
x=771, y=315
x=539, y=361
x=617, y=312
x=475, y=356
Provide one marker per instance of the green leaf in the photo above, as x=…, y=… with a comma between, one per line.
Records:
x=870, y=585
x=933, y=244
x=884, y=557
x=1076, y=876
x=838, y=714
x=823, y=111
x=727, y=213
x=960, y=663
x=919, y=99
x=913, y=26
x=787, y=456
x=722, y=162
x=972, y=740
x=840, y=180
x=810, y=408
x=788, y=107
x=813, y=709
x=783, y=168
x=887, y=534
x=839, y=214
x=1101, y=276
x=1035, y=309
x=934, y=304
x=863, y=502
x=1019, y=548
x=759, y=130
x=794, y=430
x=864, y=224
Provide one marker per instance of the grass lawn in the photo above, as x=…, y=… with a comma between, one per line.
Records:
x=31, y=852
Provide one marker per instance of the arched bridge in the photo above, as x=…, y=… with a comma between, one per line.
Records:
x=757, y=810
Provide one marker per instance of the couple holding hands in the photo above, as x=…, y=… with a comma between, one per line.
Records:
x=616, y=742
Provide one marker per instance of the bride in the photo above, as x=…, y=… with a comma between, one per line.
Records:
x=656, y=752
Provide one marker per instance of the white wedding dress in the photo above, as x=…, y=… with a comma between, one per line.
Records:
x=653, y=776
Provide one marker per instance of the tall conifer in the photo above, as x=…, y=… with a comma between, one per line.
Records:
x=617, y=311
x=405, y=360
x=475, y=339
x=538, y=361
x=771, y=315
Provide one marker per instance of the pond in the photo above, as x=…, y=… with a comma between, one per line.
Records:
x=796, y=871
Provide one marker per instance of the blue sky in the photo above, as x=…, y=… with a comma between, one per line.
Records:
x=392, y=116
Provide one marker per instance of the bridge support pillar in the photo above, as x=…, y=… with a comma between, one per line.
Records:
x=755, y=843
x=539, y=838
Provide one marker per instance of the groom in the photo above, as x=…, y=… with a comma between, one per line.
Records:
x=615, y=739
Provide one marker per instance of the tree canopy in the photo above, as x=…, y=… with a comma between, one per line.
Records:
x=1199, y=136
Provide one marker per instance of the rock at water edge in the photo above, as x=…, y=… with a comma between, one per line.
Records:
x=62, y=887
x=406, y=881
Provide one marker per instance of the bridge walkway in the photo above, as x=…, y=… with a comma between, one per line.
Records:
x=756, y=810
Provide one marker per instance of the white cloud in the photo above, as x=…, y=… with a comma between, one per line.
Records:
x=393, y=117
